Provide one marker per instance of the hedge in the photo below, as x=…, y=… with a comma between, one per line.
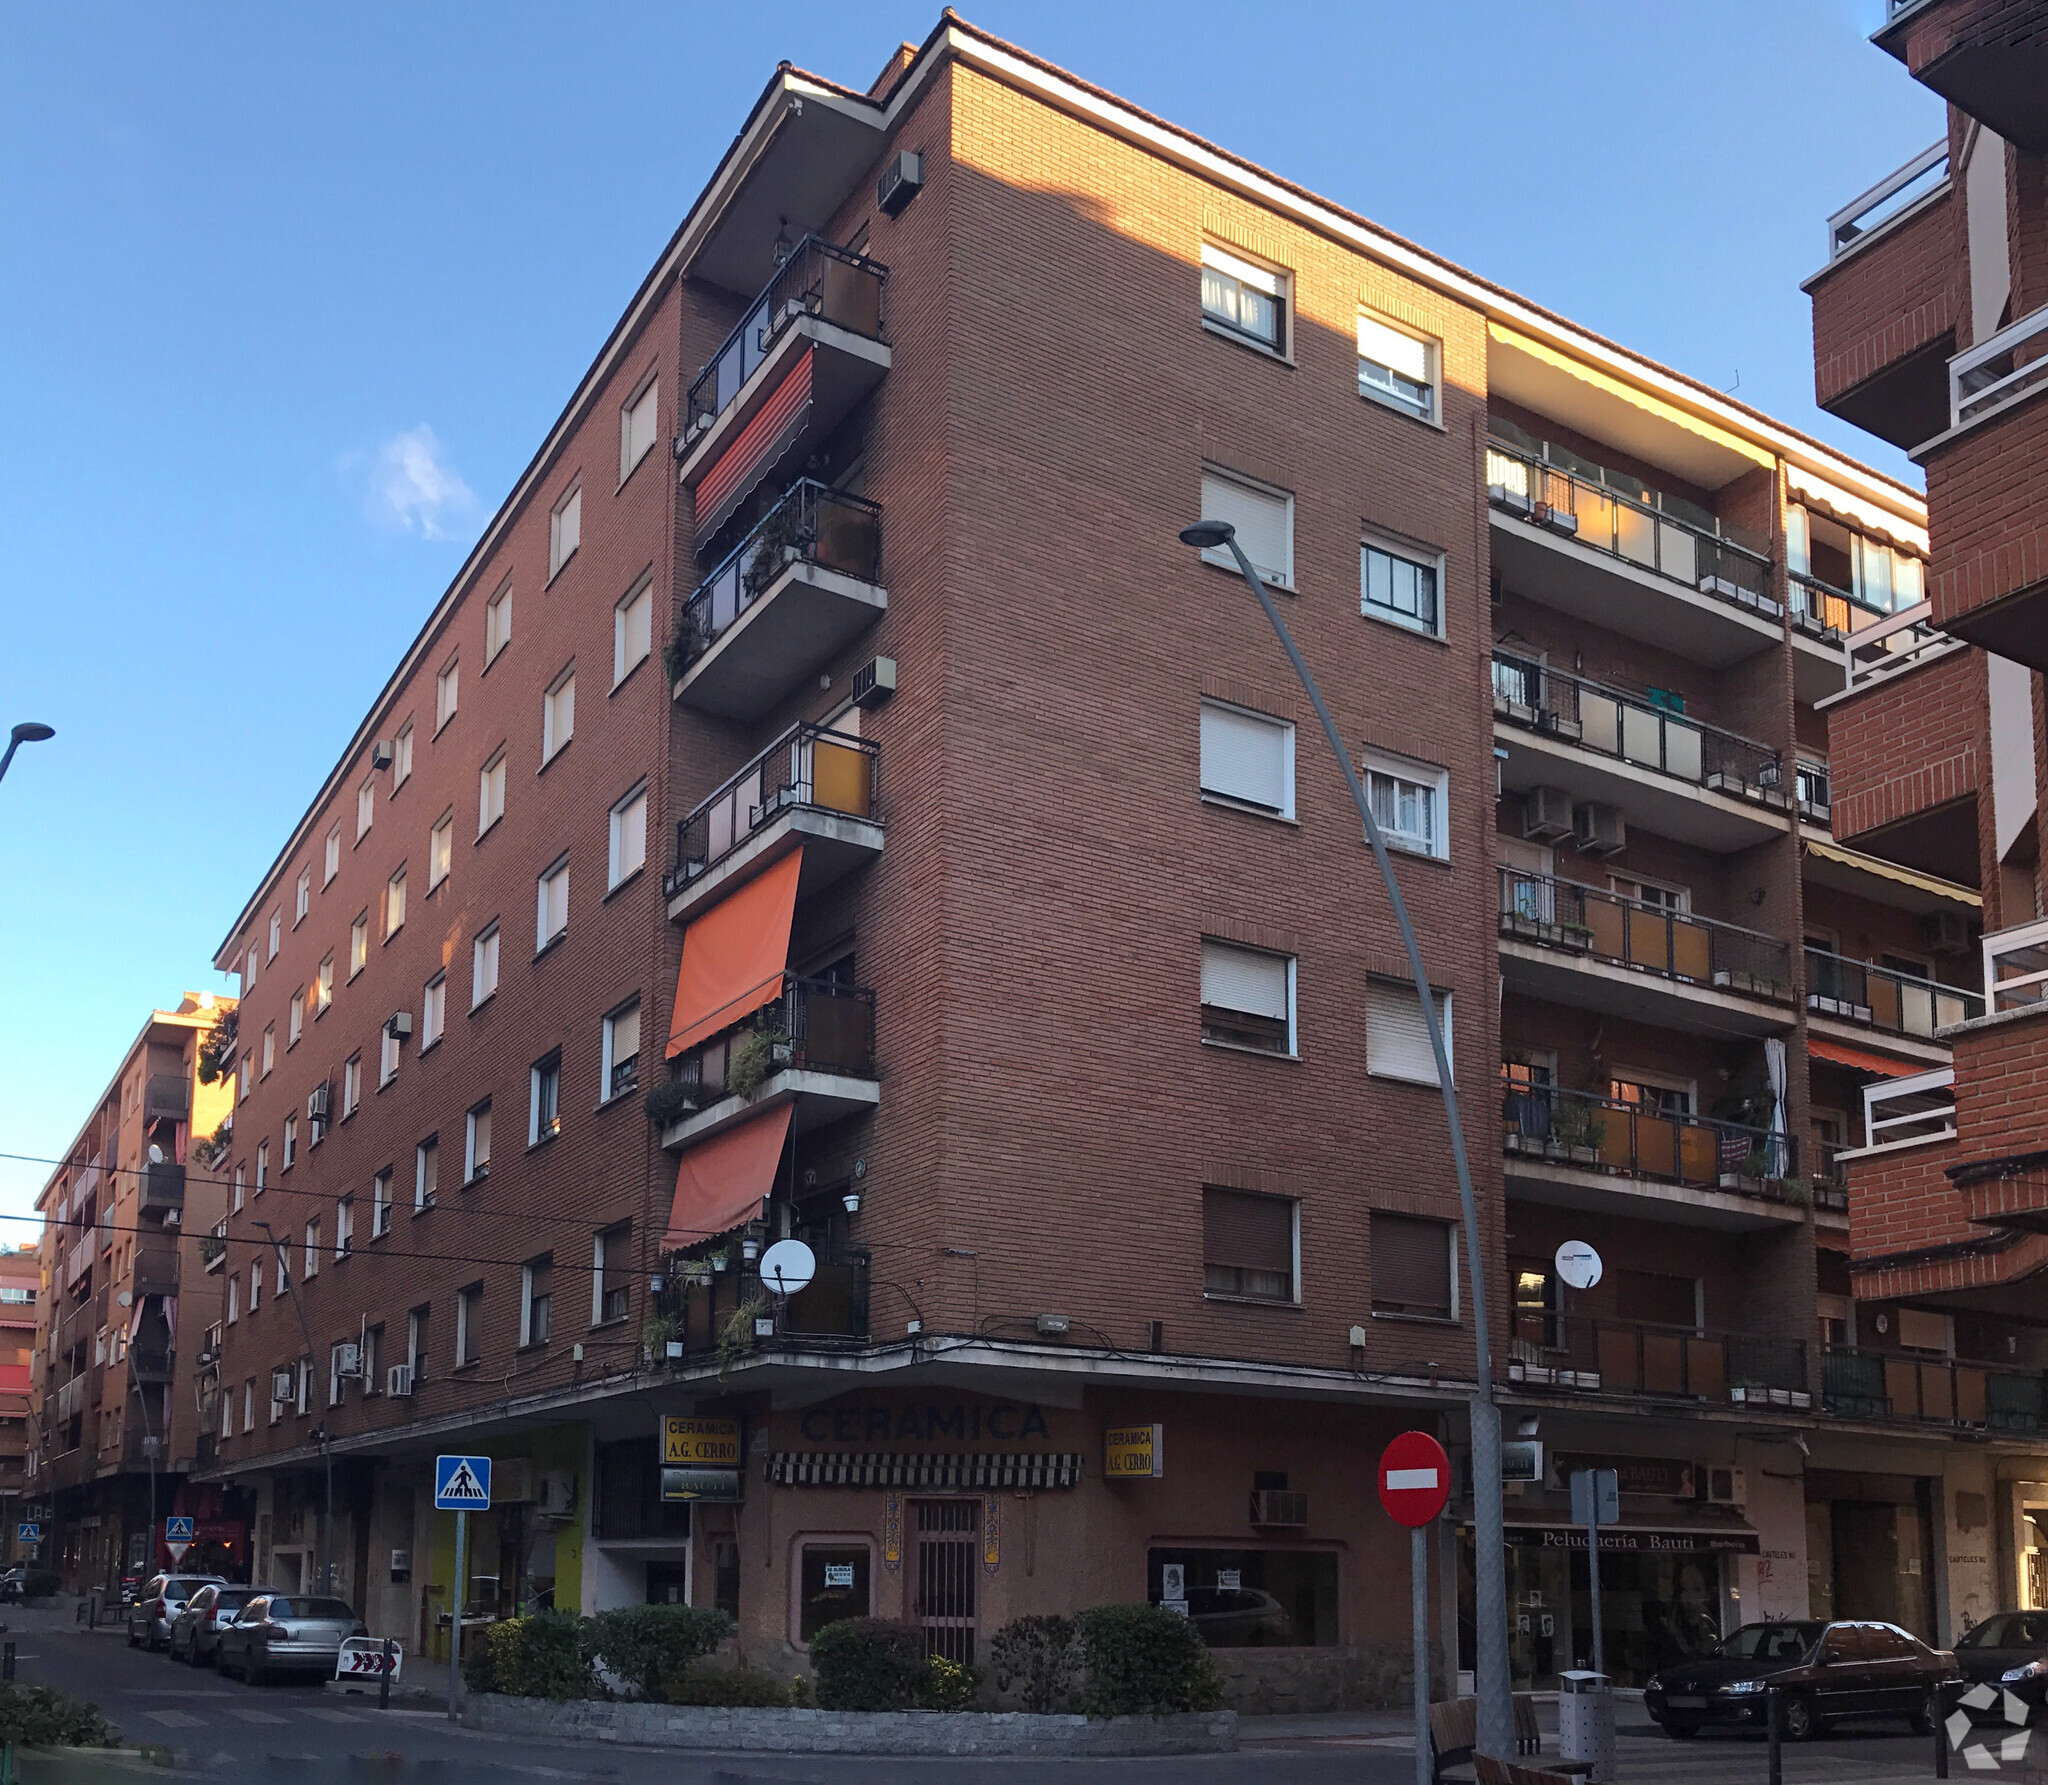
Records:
x=41, y=1717
x=1142, y=1660
x=645, y=1644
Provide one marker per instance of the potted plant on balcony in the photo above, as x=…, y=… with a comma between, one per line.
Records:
x=664, y=1335
x=1578, y=1131
x=1577, y=937
x=780, y=540
x=670, y=1100
x=755, y=1055
x=692, y=639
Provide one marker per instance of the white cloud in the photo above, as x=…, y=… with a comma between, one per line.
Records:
x=413, y=487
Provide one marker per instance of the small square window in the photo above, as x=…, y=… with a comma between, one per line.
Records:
x=628, y=837
x=1247, y=997
x=483, y=966
x=490, y=792
x=1396, y=1034
x=1400, y=584
x=565, y=531
x=544, y=1107
x=401, y=759
x=621, y=1056
x=1248, y=758
x=638, y=422
x=558, y=716
x=447, y=692
x=433, y=1011
x=632, y=631
x=1249, y=1245
x=440, y=851
x=1397, y=368
x=1264, y=519
x=497, y=623
x=1244, y=299
x=551, y=915
x=1412, y=1264
x=1407, y=800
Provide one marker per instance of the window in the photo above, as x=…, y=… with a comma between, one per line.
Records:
x=1250, y=1598
x=426, y=1172
x=1396, y=367
x=380, y=1205
x=490, y=793
x=249, y=1405
x=1248, y=758
x=312, y=1269
x=295, y=1020
x=387, y=1061
x=557, y=716
x=1411, y=1267
x=284, y=1280
x=351, y=1085
x=440, y=851
x=359, y=944
x=1247, y=998
x=476, y=1143
x=565, y=531
x=632, y=631
x=637, y=422
x=433, y=1011
x=394, y=904
x=416, y=1343
x=1244, y=299
x=447, y=693
x=249, y=972
x=336, y=1381
x=536, y=1299
x=497, y=623
x=1407, y=804
x=234, y=1300
x=551, y=913
x=621, y=1059
x=323, y=984
x=483, y=966
x=1264, y=519
x=1248, y=1245
x=366, y=807
x=291, y=1140
x=628, y=837
x=611, y=1260
x=401, y=758
x=276, y=934
x=1666, y=1298
x=241, y=1187
x=1399, y=586
x=255, y=1285
x=372, y=1343
x=1396, y=1037
x=832, y=1584
x=305, y=1387
x=247, y=1068
x=269, y=1047
x=262, y=1166
x=469, y=1307
x=302, y=896
x=544, y=1108
x=331, y=864
x=344, y=1226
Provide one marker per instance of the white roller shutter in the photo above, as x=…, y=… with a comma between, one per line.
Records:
x=1247, y=758
x=1245, y=980
x=1396, y=1037
x=1394, y=350
x=1264, y=521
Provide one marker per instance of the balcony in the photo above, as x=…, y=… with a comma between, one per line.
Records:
x=1575, y=1149
x=166, y=1096
x=1891, y=1385
x=1591, y=551
x=156, y=1265
x=808, y=350
x=814, y=1046
x=811, y=789
x=1587, y=947
x=1579, y=1354
x=1824, y=618
x=213, y=1247
x=1915, y=1111
x=2016, y=966
x=1987, y=58
x=1674, y=775
x=801, y=587
x=151, y=1363
x=162, y=1185
x=693, y=1313
x=1849, y=995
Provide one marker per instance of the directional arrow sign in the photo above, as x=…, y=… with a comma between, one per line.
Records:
x=1415, y=1479
x=462, y=1484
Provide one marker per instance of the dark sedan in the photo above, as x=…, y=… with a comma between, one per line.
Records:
x=2009, y=1652
x=1824, y=1673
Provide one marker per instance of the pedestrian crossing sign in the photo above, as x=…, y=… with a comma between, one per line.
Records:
x=178, y=1530
x=28, y=1532
x=462, y=1484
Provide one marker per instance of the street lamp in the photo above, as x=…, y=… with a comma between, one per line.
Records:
x=291, y=1288
x=1496, y=1701
x=29, y=731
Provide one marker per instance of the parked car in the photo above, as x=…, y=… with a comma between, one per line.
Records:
x=160, y=1600
x=1826, y=1673
x=195, y=1632
x=2009, y=1650
x=287, y=1633
x=18, y=1585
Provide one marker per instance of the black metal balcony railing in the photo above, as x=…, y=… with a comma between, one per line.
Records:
x=1596, y=515
x=816, y=1025
x=1635, y=728
x=818, y=279
x=810, y=524
x=806, y=766
x=163, y=1185
x=1898, y=1003
x=1820, y=606
x=1631, y=1140
x=705, y=1291
x=1587, y=920
x=1934, y=1391
x=151, y=1363
x=1590, y=1354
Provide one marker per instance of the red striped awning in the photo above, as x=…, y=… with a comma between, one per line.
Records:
x=757, y=448
x=1860, y=1059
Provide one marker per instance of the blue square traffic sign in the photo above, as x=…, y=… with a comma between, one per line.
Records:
x=462, y=1484
x=177, y=1530
x=25, y=1532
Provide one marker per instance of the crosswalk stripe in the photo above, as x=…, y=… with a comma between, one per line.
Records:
x=254, y=1716
x=175, y=1719
x=328, y=1716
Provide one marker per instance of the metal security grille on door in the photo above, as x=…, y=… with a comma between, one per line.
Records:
x=948, y=1535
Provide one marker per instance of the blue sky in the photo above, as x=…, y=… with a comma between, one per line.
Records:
x=288, y=295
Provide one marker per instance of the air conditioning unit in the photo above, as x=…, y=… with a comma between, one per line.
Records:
x=513, y=1481
x=874, y=683
x=1277, y=1508
x=1945, y=932
x=398, y=1380
x=1600, y=829
x=1547, y=812
x=557, y=1497
x=348, y=1360
x=317, y=1102
x=1720, y=1487
x=398, y=1025
x=284, y=1385
x=381, y=754
x=900, y=182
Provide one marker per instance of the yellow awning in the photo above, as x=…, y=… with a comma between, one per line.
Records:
x=1870, y=864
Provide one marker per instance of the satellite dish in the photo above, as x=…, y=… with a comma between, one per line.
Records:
x=787, y=1266
x=1578, y=1264
x=156, y=1155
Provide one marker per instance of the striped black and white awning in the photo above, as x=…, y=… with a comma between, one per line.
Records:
x=1003, y=1469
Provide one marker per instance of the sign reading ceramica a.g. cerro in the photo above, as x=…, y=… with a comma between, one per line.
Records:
x=700, y=1443
x=1133, y=1453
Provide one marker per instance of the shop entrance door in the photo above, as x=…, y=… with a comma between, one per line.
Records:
x=948, y=1534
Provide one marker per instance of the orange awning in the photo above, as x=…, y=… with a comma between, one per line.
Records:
x=734, y=956
x=1859, y=1060
x=723, y=1183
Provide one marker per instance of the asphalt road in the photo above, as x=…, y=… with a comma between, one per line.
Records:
x=302, y=1735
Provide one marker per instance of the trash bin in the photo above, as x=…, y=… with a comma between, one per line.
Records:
x=1585, y=1722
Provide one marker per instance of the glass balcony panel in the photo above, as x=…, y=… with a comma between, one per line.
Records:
x=1642, y=737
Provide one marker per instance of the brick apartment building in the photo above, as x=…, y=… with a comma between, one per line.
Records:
x=1931, y=330
x=928, y=872
x=21, y=1274
x=114, y=1386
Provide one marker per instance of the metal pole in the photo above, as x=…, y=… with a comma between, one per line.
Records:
x=1418, y=1574
x=455, y=1616
x=384, y=1677
x=1773, y=1703
x=1943, y=1703
x=291, y=1288
x=1495, y=1690
x=1593, y=1585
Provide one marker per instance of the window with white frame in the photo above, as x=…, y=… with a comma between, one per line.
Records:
x=401, y=759
x=1413, y=1266
x=490, y=792
x=359, y=944
x=1248, y=758
x=302, y=896
x=284, y=1274
x=483, y=965
x=387, y=1058
x=1250, y=1245
x=248, y=1071
x=536, y=1299
x=447, y=692
x=544, y=1099
x=249, y=972
x=249, y=1405
x=1247, y=997
x=351, y=1085
x=637, y=424
x=440, y=851
x=628, y=837
x=380, y=1204
x=241, y=1186
x=551, y=905
x=331, y=862
x=366, y=807
x=476, y=1144
x=557, y=716
x=1400, y=583
x=632, y=630
x=433, y=1011
x=234, y=1300
x=1397, y=1034
x=416, y=1342
x=372, y=1343
x=262, y=1166
x=622, y=1050
x=295, y=1020
x=269, y=1048
x=1407, y=801
x=1263, y=517
x=323, y=984
x=426, y=1172
x=469, y=1309
x=305, y=1386
x=1244, y=298
x=256, y=1284
x=1397, y=367
x=276, y=935
x=291, y=1141
x=344, y=1226
x=565, y=530
x=311, y=1268
x=497, y=623
x=394, y=904
x=611, y=1263
x=336, y=1381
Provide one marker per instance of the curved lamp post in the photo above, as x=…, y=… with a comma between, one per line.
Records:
x=29, y=731
x=1496, y=1701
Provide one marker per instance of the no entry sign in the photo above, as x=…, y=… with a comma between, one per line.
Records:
x=1415, y=1479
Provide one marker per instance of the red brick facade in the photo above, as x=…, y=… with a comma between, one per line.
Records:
x=1887, y=301
x=1907, y=746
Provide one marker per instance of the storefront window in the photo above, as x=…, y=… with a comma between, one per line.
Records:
x=833, y=1584
x=1250, y=1598
x=1658, y=1610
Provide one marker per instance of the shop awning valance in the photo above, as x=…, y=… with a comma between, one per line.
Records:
x=1011, y=1469
x=722, y=1182
x=734, y=956
x=1859, y=1059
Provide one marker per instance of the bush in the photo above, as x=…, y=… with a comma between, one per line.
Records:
x=644, y=1644
x=1142, y=1660
x=40, y=1717
x=543, y=1656
x=480, y=1656
x=1034, y=1658
x=870, y=1664
x=731, y=1686
x=947, y=1685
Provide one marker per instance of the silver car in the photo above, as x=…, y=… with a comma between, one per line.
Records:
x=195, y=1631
x=287, y=1633
x=158, y=1601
